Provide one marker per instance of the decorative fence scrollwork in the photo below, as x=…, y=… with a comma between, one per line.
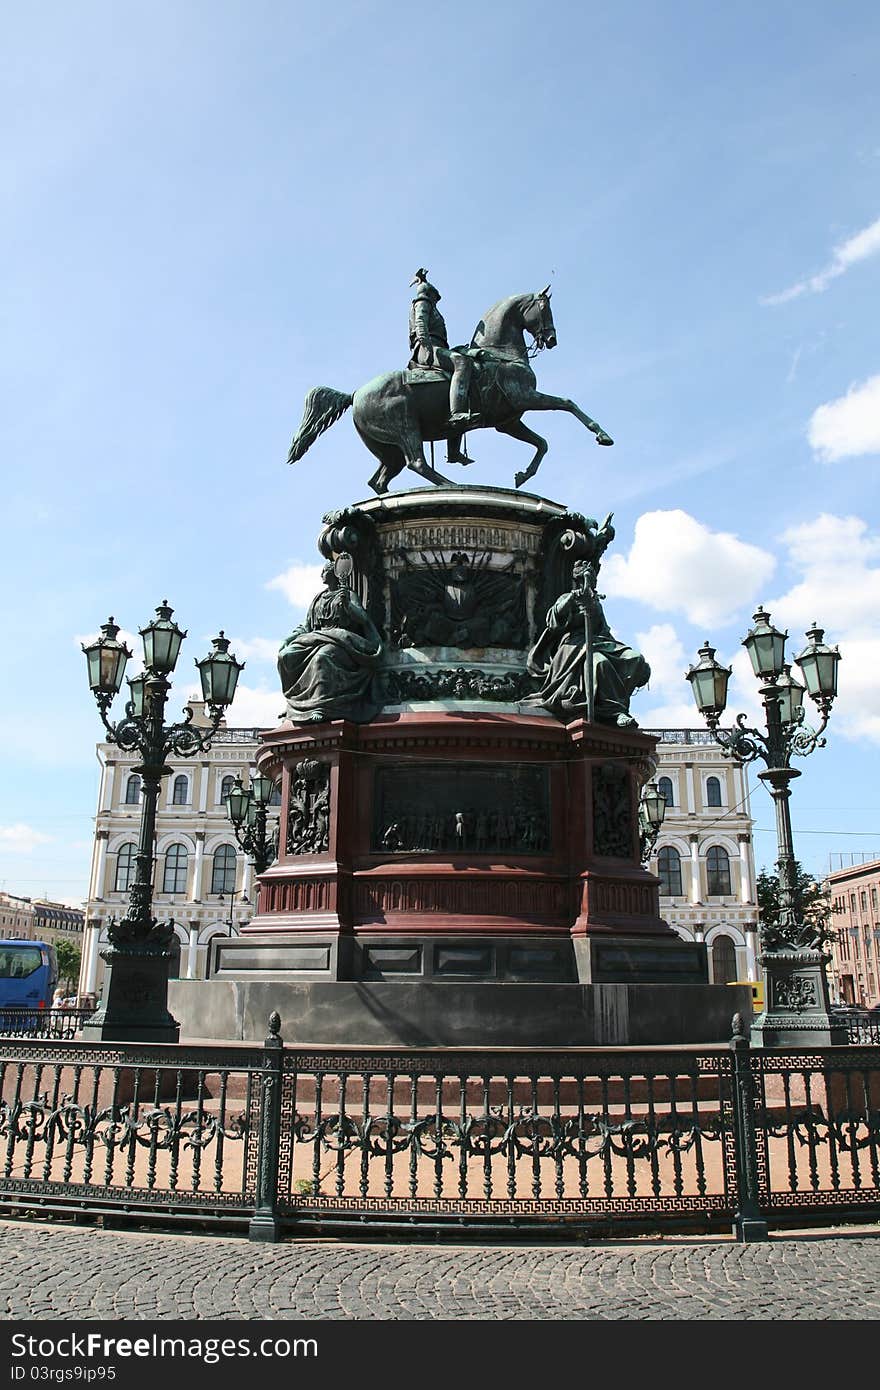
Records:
x=275, y=1139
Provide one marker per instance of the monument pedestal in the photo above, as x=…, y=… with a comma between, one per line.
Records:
x=457, y=865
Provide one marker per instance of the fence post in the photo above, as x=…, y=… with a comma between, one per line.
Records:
x=265, y=1225
x=749, y=1222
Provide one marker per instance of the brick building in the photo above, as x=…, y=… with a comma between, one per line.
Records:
x=855, y=962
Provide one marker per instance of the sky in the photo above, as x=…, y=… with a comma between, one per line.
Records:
x=209, y=208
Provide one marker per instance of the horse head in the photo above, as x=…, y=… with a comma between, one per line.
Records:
x=538, y=319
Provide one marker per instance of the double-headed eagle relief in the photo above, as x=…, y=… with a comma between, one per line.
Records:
x=444, y=391
x=460, y=602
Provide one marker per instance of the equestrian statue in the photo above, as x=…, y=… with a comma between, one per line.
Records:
x=445, y=391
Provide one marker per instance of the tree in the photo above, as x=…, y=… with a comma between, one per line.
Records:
x=814, y=899
x=68, y=956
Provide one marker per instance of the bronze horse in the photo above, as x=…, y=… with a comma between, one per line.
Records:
x=395, y=413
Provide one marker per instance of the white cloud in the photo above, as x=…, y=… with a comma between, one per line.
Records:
x=299, y=584
x=21, y=839
x=256, y=648
x=834, y=564
x=256, y=707
x=676, y=564
x=839, y=583
x=664, y=652
x=848, y=426
x=856, y=248
x=837, y=562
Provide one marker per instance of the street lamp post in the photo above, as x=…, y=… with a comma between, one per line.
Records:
x=652, y=812
x=247, y=808
x=134, y=1006
x=792, y=951
x=236, y=893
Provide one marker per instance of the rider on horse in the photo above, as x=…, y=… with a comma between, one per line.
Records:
x=430, y=348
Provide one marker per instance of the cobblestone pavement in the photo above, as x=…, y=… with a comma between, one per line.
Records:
x=58, y=1271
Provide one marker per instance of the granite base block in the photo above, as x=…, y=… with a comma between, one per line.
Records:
x=459, y=1014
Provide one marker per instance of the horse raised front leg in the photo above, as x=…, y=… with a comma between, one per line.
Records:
x=539, y=401
x=517, y=430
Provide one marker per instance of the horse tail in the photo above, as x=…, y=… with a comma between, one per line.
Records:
x=322, y=409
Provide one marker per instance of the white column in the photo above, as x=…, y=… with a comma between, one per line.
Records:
x=198, y=866
x=88, y=972
x=100, y=863
x=246, y=878
x=745, y=882
x=204, y=780
x=107, y=788
x=690, y=798
x=752, y=952
x=695, y=869
x=193, y=950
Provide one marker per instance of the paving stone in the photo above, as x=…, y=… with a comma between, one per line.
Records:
x=60, y=1271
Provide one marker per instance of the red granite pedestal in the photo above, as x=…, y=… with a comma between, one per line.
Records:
x=538, y=878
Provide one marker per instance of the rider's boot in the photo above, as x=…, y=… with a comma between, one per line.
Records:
x=455, y=453
x=460, y=416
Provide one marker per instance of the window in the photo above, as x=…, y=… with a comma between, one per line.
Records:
x=852, y=904
x=664, y=787
x=713, y=791
x=874, y=899
x=669, y=871
x=863, y=899
x=180, y=792
x=133, y=790
x=174, y=881
x=717, y=872
x=723, y=960
x=275, y=800
x=125, y=863
x=226, y=787
x=223, y=874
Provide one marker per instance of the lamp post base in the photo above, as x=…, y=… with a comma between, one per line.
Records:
x=797, y=1012
x=134, y=1007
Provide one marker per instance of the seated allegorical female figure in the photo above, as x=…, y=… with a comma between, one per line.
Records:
x=328, y=665
x=558, y=659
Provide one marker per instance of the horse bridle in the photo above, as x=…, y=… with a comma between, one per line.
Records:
x=539, y=338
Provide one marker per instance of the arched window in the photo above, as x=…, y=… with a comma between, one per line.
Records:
x=180, y=792
x=125, y=861
x=664, y=787
x=717, y=872
x=223, y=873
x=174, y=881
x=669, y=870
x=713, y=791
x=723, y=960
x=133, y=790
x=226, y=787
x=275, y=799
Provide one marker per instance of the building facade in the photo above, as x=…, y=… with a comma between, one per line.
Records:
x=202, y=880
x=704, y=856
x=38, y=919
x=16, y=917
x=204, y=883
x=855, y=940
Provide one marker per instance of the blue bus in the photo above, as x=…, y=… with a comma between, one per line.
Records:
x=28, y=976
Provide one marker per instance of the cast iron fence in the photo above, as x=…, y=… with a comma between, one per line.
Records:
x=19, y=1021
x=863, y=1026
x=279, y=1139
